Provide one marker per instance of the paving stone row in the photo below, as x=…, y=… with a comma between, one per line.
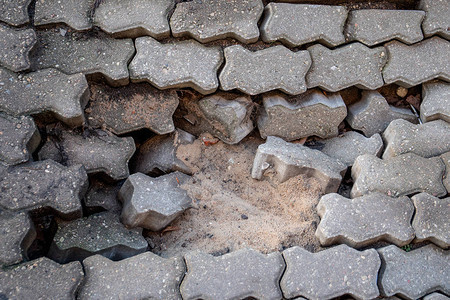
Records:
x=435, y=101
x=15, y=46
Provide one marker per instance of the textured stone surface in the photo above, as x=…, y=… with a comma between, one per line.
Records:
x=372, y=114
x=153, y=203
x=210, y=20
x=311, y=113
x=446, y=159
x=298, y=24
x=436, y=101
x=289, y=160
x=75, y=13
x=436, y=19
x=264, y=70
x=349, y=65
x=238, y=275
x=14, y=12
x=414, y=274
x=405, y=174
x=330, y=273
x=15, y=45
x=403, y=67
x=365, y=220
x=102, y=196
x=144, y=276
x=176, y=65
x=436, y=296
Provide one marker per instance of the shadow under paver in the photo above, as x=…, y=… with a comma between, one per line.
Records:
x=102, y=196
x=436, y=19
x=446, y=159
x=436, y=101
x=74, y=13
x=14, y=12
x=15, y=46
x=238, y=275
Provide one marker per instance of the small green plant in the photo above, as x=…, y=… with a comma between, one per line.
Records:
x=407, y=248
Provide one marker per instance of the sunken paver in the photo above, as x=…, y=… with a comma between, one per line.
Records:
x=41, y=279
x=14, y=12
x=350, y=65
x=298, y=24
x=134, y=18
x=144, y=276
x=97, y=234
x=436, y=19
x=402, y=175
x=15, y=46
x=446, y=159
x=102, y=196
x=375, y=26
x=403, y=67
x=153, y=203
x=436, y=101
x=431, y=219
x=435, y=296
x=414, y=274
x=330, y=273
x=210, y=20
x=289, y=160
x=176, y=65
x=238, y=275
x=372, y=114
x=311, y=113
x=426, y=140
x=75, y=13
x=44, y=91
x=365, y=220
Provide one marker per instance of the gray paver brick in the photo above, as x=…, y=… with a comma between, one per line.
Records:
x=436, y=19
x=436, y=101
x=446, y=159
x=330, y=273
x=15, y=45
x=14, y=12
x=237, y=275
x=102, y=196
x=75, y=13
x=435, y=296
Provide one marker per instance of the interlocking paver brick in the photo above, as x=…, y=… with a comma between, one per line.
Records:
x=298, y=24
x=176, y=65
x=436, y=296
x=436, y=101
x=41, y=279
x=412, y=65
x=436, y=19
x=144, y=276
x=102, y=196
x=446, y=159
x=264, y=70
x=414, y=274
x=311, y=113
x=372, y=114
x=330, y=273
x=75, y=13
x=289, y=160
x=350, y=65
x=153, y=203
x=237, y=275
x=15, y=46
x=402, y=175
x=365, y=220
x=14, y=12
x=210, y=20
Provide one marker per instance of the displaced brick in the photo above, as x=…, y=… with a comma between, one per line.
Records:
x=102, y=196
x=436, y=19
x=75, y=13
x=15, y=45
x=14, y=12
x=436, y=101
x=446, y=159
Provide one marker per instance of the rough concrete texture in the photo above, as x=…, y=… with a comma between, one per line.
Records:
x=365, y=220
x=41, y=279
x=436, y=19
x=431, y=219
x=102, y=196
x=19, y=137
x=436, y=296
x=298, y=24
x=14, y=12
x=375, y=26
x=289, y=160
x=349, y=65
x=144, y=276
x=402, y=175
x=414, y=274
x=241, y=274
x=134, y=18
x=97, y=234
x=44, y=91
x=446, y=159
x=176, y=65
x=403, y=67
x=311, y=113
x=436, y=101
x=15, y=45
x=264, y=70
x=75, y=13
x=330, y=273
x=44, y=184
x=372, y=114
x=426, y=140
x=211, y=20
x=153, y=203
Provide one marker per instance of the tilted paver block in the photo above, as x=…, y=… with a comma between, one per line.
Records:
x=237, y=275
x=144, y=276
x=176, y=65
x=349, y=65
x=365, y=220
x=210, y=20
x=446, y=159
x=436, y=19
x=372, y=114
x=435, y=296
x=330, y=273
x=298, y=24
x=402, y=175
x=414, y=274
x=264, y=70
x=15, y=46
x=436, y=101
x=75, y=13
x=41, y=279
x=14, y=12
x=102, y=196
x=289, y=160
x=311, y=113
x=153, y=203
x=403, y=67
